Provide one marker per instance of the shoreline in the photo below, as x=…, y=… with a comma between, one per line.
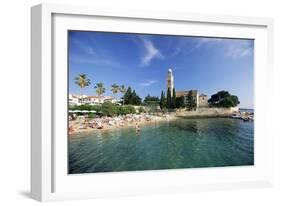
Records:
x=128, y=124
x=105, y=124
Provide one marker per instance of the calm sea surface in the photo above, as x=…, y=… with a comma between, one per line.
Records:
x=184, y=143
x=246, y=110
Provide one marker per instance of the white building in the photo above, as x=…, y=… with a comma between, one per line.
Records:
x=94, y=100
x=194, y=93
x=203, y=100
x=73, y=99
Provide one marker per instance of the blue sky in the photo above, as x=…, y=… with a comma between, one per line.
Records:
x=142, y=62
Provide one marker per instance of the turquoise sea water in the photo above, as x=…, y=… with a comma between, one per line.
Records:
x=246, y=110
x=183, y=143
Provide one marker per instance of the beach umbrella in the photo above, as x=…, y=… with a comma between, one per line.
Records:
x=92, y=111
x=74, y=111
x=84, y=111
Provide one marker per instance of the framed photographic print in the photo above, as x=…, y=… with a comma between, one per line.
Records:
x=135, y=102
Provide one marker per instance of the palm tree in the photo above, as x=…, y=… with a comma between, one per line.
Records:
x=100, y=89
x=123, y=90
x=114, y=89
x=82, y=81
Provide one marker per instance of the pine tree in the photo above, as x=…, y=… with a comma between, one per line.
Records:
x=133, y=100
x=131, y=97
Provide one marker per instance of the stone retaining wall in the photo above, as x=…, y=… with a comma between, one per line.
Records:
x=208, y=112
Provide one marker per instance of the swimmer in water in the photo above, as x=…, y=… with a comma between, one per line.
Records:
x=137, y=128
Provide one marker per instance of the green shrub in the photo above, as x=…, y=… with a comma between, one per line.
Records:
x=126, y=109
x=91, y=115
x=141, y=110
x=109, y=109
x=88, y=107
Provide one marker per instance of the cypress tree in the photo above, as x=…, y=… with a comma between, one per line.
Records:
x=169, y=100
x=162, y=100
x=128, y=96
x=174, y=98
x=134, y=98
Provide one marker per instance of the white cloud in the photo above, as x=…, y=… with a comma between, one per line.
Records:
x=147, y=83
x=202, y=41
x=85, y=48
x=188, y=46
x=231, y=48
x=151, y=52
x=238, y=50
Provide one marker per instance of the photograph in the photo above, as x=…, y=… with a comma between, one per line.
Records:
x=139, y=102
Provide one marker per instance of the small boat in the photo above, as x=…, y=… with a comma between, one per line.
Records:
x=236, y=116
x=245, y=119
x=251, y=118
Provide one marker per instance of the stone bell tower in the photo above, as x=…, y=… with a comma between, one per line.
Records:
x=170, y=80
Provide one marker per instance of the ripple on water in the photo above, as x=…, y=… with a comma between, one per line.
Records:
x=185, y=143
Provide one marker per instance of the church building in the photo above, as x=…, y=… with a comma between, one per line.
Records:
x=200, y=100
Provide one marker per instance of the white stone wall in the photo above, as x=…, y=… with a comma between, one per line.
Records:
x=208, y=112
x=203, y=101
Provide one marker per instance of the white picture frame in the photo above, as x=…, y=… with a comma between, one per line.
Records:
x=49, y=180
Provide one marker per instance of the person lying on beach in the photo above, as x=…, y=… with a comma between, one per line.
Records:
x=83, y=126
x=122, y=124
x=99, y=125
x=71, y=129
